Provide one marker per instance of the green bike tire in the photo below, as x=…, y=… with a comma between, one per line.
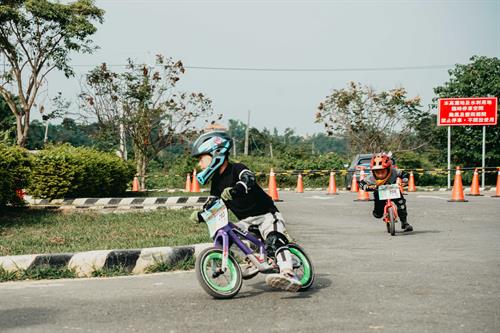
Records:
x=212, y=256
x=305, y=272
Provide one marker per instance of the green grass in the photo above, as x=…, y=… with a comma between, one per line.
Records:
x=185, y=264
x=39, y=273
x=30, y=231
x=110, y=272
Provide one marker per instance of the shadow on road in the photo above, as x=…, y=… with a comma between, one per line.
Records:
x=417, y=232
x=25, y=317
x=321, y=282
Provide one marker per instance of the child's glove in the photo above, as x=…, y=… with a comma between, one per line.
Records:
x=194, y=217
x=227, y=194
x=365, y=186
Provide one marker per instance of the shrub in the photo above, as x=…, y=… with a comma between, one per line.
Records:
x=65, y=171
x=14, y=173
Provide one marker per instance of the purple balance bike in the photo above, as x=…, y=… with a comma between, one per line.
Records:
x=217, y=270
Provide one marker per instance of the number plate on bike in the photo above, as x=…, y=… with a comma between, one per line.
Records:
x=389, y=192
x=216, y=217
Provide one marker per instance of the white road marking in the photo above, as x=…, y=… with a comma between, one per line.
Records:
x=319, y=198
x=431, y=196
x=16, y=286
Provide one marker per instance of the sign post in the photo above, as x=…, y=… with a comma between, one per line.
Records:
x=470, y=111
x=484, y=156
x=449, y=156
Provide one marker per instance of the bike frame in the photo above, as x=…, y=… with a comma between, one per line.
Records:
x=390, y=204
x=230, y=234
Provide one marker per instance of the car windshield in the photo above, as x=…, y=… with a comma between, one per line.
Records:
x=364, y=161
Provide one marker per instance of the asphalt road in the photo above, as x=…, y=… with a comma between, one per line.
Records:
x=443, y=277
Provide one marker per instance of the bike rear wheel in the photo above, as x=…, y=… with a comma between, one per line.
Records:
x=216, y=283
x=392, y=221
x=302, y=266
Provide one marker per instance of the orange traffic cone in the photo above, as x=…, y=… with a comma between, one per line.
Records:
x=135, y=184
x=300, y=184
x=411, y=183
x=332, y=187
x=188, y=183
x=457, y=194
x=474, y=187
x=195, y=186
x=273, y=189
x=497, y=195
x=362, y=195
x=354, y=183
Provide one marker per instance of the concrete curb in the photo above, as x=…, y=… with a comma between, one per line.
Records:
x=147, y=203
x=135, y=261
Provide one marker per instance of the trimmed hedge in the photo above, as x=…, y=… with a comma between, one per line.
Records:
x=14, y=174
x=68, y=172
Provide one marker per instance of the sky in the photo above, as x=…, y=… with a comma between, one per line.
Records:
x=335, y=35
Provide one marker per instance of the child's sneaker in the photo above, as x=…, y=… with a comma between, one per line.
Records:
x=285, y=280
x=248, y=269
x=406, y=227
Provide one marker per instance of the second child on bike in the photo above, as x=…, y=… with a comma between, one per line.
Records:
x=384, y=173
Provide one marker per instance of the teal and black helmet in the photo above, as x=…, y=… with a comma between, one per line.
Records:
x=215, y=144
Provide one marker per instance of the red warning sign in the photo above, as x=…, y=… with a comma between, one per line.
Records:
x=473, y=111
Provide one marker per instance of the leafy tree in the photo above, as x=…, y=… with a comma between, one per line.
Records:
x=101, y=99
x=322, y=143
x=479, y=78
x=144, y=99
x=69, y=131
x=59, y=108
x=372, y=121
x=7, y=123
x=236, y=130
x=36, y=37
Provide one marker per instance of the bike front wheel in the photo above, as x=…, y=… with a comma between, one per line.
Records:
x=302, y=266
x=212, y=279
x=392, y=221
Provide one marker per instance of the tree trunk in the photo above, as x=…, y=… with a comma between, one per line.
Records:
x=141, y=165
x=22, y=130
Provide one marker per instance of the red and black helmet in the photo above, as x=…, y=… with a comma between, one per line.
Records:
x=380, y=161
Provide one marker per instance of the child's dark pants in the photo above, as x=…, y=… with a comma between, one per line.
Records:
x=378, y=209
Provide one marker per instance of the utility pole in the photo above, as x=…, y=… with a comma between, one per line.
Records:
x=271, y=149
x=45, y=118
x=247, y=134
x=234, y=147
x=123, y=139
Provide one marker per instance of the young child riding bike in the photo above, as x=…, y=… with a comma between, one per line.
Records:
x=382, y=173
x=236, y=185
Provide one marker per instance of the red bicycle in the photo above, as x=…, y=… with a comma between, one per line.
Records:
x=388, y=193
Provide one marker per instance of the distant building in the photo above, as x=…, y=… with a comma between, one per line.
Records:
x=215, y=127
